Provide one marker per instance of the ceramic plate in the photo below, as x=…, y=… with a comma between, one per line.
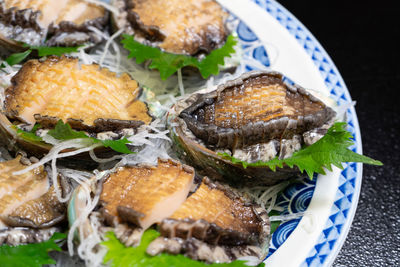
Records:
x=273, y=37
x=278, y=41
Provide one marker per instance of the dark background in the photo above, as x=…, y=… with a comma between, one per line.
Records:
x=362, y=38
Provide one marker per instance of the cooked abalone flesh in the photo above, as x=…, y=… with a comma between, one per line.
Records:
x=145, y=195
x=52, y=23
x=87, y=97
x=180, y=27
x=27, y=201
x=215, y=224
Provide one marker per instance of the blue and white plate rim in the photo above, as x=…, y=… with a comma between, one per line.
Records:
x=328, y=244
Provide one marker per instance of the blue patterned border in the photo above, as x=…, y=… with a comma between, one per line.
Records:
x=342, y=212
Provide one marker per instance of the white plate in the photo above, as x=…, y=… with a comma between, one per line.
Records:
x=273, y=36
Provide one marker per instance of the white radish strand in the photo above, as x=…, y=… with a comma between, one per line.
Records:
x=180, y=83
x=108, y=43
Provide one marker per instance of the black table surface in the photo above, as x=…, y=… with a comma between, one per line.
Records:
x=362, y=39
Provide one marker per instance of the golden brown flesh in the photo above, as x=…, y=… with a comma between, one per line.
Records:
x=15, y=190
x=76, y=11
x=84, y=95
x=181, y=27
x=257, y=102
x=146, y=195
x=42, y=212
x=215, y=205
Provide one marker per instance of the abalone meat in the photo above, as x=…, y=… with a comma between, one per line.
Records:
x=254, y=118
x=215, y=224
x=29, y=207
x=145, y=195
x=87, y=97
x=50, y=23
x=179, y=27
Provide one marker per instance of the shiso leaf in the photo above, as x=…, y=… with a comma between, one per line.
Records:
x=63, y=131
x=44, y=51
x=168, y=63
x=117, y=145
x=17, y=57
x=332, y=149
x=30, y=255
x=120, y=256
x=29, y=136
x=274, y=224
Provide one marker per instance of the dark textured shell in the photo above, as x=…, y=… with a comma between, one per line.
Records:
x=182, y=27
x=19, y=24
x=29, y=202
x=249, y=111
x=18, y=236
x=196, y=142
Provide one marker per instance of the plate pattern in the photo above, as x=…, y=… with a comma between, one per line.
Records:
x=335, y=230
x=294, y=199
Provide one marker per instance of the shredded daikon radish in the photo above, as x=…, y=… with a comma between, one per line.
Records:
x=103, y=160
x=108, y=43
x=89, y=249
x=342, y=109
x=85, y=194
x=80, y=146
x=180, y=83
x=266, y=196
x=286, y=217
x=250, y=260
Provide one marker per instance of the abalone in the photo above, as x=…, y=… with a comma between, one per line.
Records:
x=253, y=118
x=254, y=109
x=204, y=220
x=27, y=202
x=86, y=96
x=215, y=218
x=51, y=23
x=145, y=195
x=180, y=27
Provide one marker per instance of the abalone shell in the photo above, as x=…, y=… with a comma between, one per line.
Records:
x=189, y=27
x=254, y=109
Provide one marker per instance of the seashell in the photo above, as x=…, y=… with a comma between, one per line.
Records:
x=28, y=201
x=86, y=97
x=256, y=117
x=50, y=23
x=132, y=198
x=179, y=27
x=215, y=218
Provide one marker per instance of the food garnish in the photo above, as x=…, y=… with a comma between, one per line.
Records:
x=167, y=63
x=42, y=51
x=118, y=255
x=63, y=131
x=331, y=149
x=30, y=255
